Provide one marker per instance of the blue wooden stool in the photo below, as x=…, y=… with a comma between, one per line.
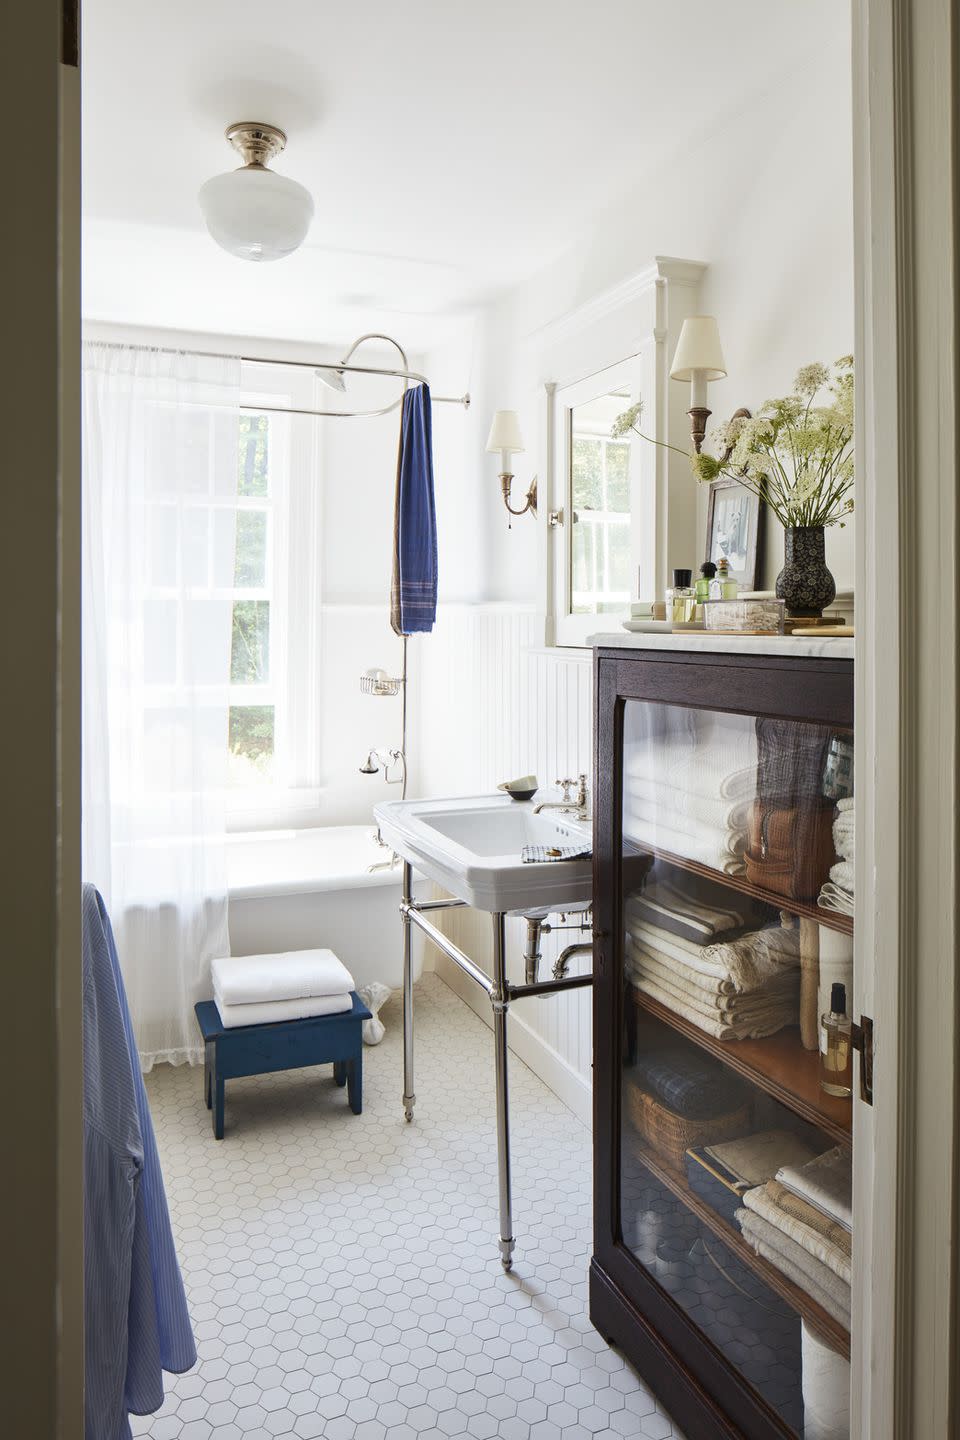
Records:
x=288, y=1045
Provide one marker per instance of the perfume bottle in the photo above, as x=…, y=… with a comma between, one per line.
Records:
x=681, y=599
x=723, y=586
x=707, y=572
x=836, y=1050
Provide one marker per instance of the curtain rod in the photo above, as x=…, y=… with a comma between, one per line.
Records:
x=340, y=366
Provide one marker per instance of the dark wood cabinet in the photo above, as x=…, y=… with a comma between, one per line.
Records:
x=720, y=781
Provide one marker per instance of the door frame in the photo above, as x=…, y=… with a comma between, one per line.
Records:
x=906, y=151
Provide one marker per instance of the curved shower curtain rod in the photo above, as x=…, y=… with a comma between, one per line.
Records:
x=406, y=375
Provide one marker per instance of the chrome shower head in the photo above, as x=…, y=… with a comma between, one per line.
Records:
x=370, y=767
x=333, y=379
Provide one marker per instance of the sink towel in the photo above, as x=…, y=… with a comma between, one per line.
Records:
x=413, y=592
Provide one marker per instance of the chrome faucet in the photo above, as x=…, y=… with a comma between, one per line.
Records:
x=569, y=804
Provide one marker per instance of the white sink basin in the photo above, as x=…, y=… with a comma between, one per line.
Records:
x=471, y=846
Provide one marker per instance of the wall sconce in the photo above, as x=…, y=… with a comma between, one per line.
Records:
x=505, y=436
x=699, y=358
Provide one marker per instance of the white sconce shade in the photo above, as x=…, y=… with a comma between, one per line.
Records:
x=698, y=353
x=255, y=213
x=505, y=433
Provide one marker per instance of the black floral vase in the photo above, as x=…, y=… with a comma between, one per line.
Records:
x=805, y=583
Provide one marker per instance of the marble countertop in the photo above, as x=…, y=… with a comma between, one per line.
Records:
x=832, y=647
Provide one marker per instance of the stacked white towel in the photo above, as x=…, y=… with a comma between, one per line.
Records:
x=291, y=985
x=735, y=989
x=801, y=1222
x=690, y=794
x=837, y=892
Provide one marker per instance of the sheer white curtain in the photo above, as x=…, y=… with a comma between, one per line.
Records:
x=159, y=492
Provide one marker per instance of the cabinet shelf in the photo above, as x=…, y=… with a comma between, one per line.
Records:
x=829, y=1329
x=779, y=1065
x=831, y=919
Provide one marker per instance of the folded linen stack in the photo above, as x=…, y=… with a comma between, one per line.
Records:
x=292, y=985
x=722, y=1174
x=837, y=893
x=690, y=795
x=801, y=1222
x=741, y=988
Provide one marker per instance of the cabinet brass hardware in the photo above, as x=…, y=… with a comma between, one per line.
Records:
x=861, y=1037
x=555, y=518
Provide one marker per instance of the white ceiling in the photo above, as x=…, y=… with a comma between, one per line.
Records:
x=452, y=150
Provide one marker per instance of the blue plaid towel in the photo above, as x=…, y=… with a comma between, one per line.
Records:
x=689, y=1084
x=543, y=854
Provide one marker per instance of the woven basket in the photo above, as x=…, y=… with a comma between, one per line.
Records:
x=672, y=1135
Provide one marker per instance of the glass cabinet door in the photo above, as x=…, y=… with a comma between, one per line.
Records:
x=736, y=939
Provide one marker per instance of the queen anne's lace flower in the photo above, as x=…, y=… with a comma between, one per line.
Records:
x=795, y=455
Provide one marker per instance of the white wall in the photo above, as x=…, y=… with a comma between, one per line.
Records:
x=766, y=202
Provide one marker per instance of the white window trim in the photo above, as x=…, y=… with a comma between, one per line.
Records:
x=295, y=637
x=569, y=628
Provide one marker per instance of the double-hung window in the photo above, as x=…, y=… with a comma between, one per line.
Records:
x=274, y=662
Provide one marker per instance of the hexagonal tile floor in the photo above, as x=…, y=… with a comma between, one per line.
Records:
x=342, y=1270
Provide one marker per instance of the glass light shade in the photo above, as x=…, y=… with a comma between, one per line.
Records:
x=256, y=214
x=698, y=349
x=505, y=432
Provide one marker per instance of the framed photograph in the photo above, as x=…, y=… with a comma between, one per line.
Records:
x=735, y=525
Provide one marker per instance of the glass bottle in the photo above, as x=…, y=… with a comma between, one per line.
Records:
x=681, y=599
x=707, y=572
x=836, y=1050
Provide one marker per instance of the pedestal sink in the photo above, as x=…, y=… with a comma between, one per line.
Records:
x=472, y=847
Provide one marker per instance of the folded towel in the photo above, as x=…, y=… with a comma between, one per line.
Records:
x=813, y=1241
x=290, y=975
x=834, y=897
x=724, y=1006
x=275, y=1011
x=753, y=1159
x=793, y=1261
x=838, y=1235
x=842, y=874
x=413, y=590
x=716, y=761
x=826, y=1183
x=700, y=915
x=746, y=963
x=650, y=800
x=689, y=1084
x=754, y=1028
x=547, y=854
x=720, y=850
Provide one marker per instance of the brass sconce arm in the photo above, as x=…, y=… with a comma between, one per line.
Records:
x=506, y=482
x=699, y=415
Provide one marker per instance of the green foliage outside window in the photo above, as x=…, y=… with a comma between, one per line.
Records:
x=253, y=456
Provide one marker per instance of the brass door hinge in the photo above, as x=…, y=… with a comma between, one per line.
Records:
x=862, y=1040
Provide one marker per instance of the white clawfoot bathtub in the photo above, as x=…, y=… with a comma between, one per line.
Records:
x=300, y=889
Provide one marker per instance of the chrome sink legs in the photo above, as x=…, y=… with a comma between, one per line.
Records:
x=501, y=992
x=409, y=1098
x=500, y=1000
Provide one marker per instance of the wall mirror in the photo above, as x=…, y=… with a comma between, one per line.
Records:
x=596, y=508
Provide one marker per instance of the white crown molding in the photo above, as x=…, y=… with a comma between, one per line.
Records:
x=663, y=269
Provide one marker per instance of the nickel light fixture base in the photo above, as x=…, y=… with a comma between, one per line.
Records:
x=256, y=144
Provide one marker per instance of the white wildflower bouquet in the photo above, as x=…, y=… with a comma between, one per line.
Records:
x=794, y=454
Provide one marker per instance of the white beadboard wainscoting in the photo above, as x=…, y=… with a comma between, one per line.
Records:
x=490, y=703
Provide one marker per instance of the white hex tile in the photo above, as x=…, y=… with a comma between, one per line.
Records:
x=342, y=1270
